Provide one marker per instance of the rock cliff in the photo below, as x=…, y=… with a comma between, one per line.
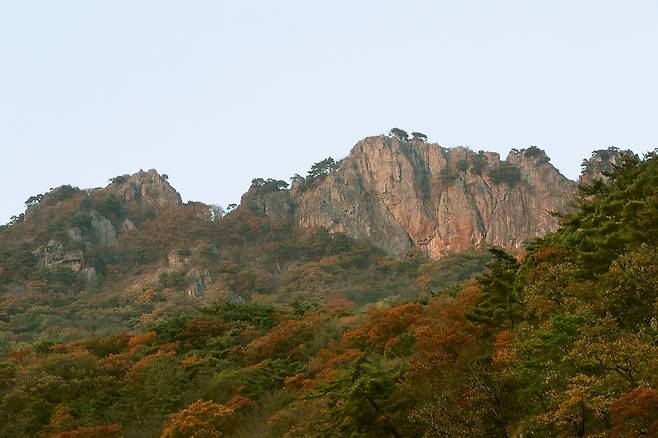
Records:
x=415, y=194
x=601, y=163
x=97, y=221
x=149, y=187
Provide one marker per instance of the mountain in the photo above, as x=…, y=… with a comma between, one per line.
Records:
x=393, y=220
x=94, y=262
x=561, y=342
x=406, y=194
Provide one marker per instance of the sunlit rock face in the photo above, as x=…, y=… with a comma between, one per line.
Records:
x=146, y=187
x=414, y=194
x=602, y=163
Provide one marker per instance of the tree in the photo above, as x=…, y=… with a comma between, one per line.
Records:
x=635, y=413
x=269, y=184
x=359, y=399
x=323, y=168
x=203, y=419
x=505, y=173
x=499, y=307
x=33, y=200
x=419, y=136
x=400, y=134
x=296, y=178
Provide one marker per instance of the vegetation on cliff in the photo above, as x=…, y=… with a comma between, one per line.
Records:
x=560, y=343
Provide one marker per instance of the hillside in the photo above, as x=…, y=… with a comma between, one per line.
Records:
x=101, y=261
x=394, y=220
x=559, y=343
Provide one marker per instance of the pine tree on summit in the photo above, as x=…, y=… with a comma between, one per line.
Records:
x=419, y=136
x=400, y=134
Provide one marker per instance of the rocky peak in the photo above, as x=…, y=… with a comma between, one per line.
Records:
x=601, y=163
x=405, y=194
x=149, y=187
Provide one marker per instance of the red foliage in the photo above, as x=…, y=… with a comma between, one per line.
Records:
x=635, y=414
x=285, y=339
x=137, y=342
x=103, y=431
x=383, y=325
x=200, y=329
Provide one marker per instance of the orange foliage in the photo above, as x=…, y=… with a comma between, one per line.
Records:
x=138, y=341
x=198, y=330
x=548, y=253
x=285, y=339
x=23, y=357
x=635, y=414
x=383, y=325
x=201, y=419
x=504, y=352
x=116, y=364
x=338, y=304
x=143, y=362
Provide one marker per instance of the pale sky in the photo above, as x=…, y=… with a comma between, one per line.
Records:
x=216, y=93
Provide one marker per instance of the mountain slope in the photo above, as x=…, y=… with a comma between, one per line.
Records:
x=560, y=343
x=101, y=261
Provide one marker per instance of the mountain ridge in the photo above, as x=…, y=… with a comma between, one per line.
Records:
x=405, y=194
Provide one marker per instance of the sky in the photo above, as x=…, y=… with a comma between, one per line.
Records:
x=216, y=93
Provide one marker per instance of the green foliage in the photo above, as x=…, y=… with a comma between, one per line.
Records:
x=613, y=216
x=268, y=185
x=110, y=206
x=359, y=399
x=33, y=200
x=399, y=134
x=536, y=153
x=316, y=173
x=479, y=163
x=118, y=179
x=448, y=175
x=173, y=280
x=561, y=343
x=419, y=136
x=499, y=307
x=505, y=173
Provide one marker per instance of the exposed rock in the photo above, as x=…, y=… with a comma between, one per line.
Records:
x=103, y=229
x=601, y=163
x=89, y=274
x=406, y=194
x=54, y=255
x=149, y=187
x=127, y=225
x=75, y=234
x=175, y=260
x=197, y=285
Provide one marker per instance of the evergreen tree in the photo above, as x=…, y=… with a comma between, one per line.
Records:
x=499, y=307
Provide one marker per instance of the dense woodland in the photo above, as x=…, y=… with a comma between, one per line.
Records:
x=563, y=342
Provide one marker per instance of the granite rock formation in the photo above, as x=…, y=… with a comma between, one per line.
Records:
x=148, y=187
x=404, y=194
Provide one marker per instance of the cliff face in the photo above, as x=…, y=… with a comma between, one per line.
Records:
x=406, y=194
x=601, y=163
x=96, y=226
x=147, y=187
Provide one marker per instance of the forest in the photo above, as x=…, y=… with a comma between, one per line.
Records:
x=561, y=342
